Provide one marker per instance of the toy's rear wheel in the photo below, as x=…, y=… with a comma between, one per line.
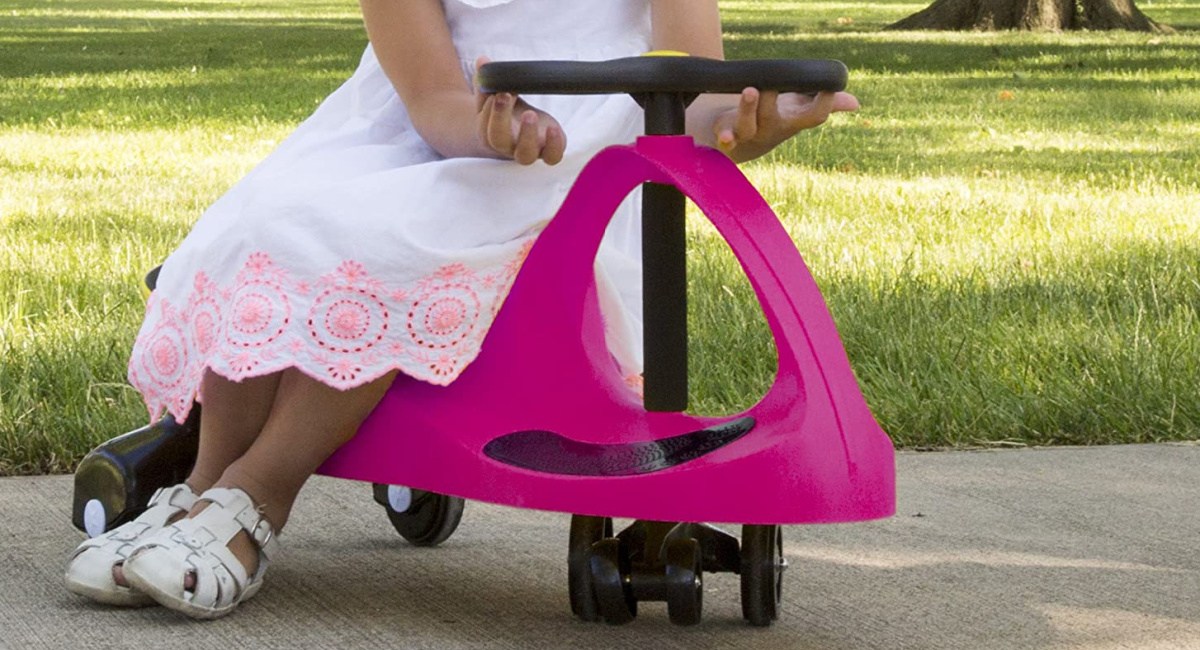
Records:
x=611, y=575
x=763, y=566
x=685, y=581
x=422, y=518
x=585, y=531
x=115, y=481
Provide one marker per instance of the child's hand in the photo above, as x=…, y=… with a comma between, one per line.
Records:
x=764, y=120
x=513, y=129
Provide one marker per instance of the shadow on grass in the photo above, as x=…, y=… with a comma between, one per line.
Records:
x=287, y=62
x=228, y=70
x=950, y=52
x=290, y=42
x=287, y=67
x=746, y=22
x=78, y=6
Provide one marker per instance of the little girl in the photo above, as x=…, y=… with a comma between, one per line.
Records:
x=382, y=237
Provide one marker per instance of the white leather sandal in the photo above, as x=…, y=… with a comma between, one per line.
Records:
x=159, y=565
x=90, y=569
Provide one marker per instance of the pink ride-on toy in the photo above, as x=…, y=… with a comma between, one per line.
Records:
x=527, y=427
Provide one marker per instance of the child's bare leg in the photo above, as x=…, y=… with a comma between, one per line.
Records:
x=234, y=415
x=308, y=422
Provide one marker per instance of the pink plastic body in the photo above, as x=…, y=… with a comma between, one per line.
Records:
x=815, y=455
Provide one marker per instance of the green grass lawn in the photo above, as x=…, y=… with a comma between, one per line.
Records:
x=1006, y=233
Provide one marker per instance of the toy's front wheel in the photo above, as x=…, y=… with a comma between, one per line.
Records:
x=685, y=582
x=611, y=575
x=585, y=531
x=422, y=518
x=763, y=565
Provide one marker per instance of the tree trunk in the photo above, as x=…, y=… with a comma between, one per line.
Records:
x=1054, y=15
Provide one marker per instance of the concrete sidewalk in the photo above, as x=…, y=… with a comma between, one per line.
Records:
x=1078, y=549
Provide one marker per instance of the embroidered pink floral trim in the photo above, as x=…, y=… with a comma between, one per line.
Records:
x=344, y=328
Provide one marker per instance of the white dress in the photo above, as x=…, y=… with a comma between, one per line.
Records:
x=354, y=248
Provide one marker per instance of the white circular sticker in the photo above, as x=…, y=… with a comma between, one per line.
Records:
x=399, y=497
x=93, y=518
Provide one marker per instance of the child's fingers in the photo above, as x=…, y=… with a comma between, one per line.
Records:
x=845, y=102
x=768, y=108
x=817, y=111
x=556, y=145
x=500, y=129
x=484, y=122
x=723, y=131
x=526, y=151
x=746, y=126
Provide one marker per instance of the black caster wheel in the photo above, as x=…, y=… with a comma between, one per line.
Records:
x=422, y=518
x=763, y=566
x=611, y=581
x=585, y=531
x=685, y=582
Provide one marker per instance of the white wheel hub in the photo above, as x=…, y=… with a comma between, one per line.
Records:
x=93, y=518
x=399, y=498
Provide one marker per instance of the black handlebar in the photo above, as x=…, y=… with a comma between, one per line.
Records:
x=639, y=75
